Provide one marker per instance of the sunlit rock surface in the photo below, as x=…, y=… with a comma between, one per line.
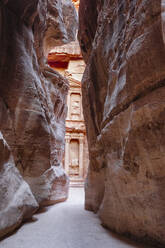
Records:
x=32, y=106
x=124, y=109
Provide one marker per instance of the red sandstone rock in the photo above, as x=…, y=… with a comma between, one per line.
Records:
x=124, y=109
x=33, y=103
x=17, y=201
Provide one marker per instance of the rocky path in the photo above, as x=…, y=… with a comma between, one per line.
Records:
x=65, y=225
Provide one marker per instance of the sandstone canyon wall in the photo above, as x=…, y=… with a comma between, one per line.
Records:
x=124, y=107
x=32, y=107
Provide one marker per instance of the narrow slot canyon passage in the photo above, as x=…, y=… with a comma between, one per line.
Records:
x=66, y=225
x=82, y=123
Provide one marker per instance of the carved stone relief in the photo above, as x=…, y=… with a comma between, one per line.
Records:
x=75, y=106
x=74, y=158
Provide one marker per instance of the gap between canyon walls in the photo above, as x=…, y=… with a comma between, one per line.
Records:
x=123, y=87
x=68, y=61
x=32, y=107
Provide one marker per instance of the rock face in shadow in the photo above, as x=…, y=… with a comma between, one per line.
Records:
x=17, y=201
x=123, y=98
x=32, y=107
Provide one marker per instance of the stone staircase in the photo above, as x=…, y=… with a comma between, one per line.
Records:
x=76, y=183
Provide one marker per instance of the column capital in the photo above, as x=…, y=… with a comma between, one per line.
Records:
x=67, y=138
x=81, y=138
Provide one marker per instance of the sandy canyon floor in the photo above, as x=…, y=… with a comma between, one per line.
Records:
x=65, y=225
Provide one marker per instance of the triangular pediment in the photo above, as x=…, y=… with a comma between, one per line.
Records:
x=74, y=83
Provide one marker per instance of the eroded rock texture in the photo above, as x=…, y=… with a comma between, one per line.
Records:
x=124, y=109
x=17, y=201
x=32, y=107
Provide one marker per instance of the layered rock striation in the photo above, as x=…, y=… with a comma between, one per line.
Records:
x=123, y=98
x=32, y=107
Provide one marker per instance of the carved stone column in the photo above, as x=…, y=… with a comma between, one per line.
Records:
x=82, y=117
x=67, y=143
x=81, y=148
x=69, y=107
